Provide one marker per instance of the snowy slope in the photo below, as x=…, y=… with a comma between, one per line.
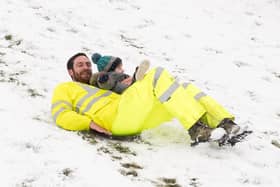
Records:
x=230, y=49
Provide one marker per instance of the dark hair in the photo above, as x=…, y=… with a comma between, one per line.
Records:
x=70, y=62
x=115, y=64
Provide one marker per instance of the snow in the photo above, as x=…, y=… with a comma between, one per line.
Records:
x=230, y=49
x=217, y=134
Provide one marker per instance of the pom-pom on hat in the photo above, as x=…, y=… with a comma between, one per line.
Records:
x=105, y=63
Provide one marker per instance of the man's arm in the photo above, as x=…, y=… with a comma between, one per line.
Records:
x=63, y=111
x=65, y=116
x=97, y=128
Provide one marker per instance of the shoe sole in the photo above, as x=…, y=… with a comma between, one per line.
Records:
x=235, y=129
x=142, y=69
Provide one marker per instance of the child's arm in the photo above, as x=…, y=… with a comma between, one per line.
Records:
x=93, y=79
x=102, y=80
x=120, y=87
x=105, y=81
x=112, y=81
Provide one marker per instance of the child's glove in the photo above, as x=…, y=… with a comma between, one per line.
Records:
x=103, y=78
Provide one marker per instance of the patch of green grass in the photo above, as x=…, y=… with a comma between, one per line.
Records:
x=194, y=182
x=9, y=37
x=277, y=75
x=131, y=165
x=275, y=143
x=33, y=93
x=129, y=172
x=67, y=171
x=122, y=149
x=88, y=136
x=166, y=182
x=2, y=73
x=104, y=150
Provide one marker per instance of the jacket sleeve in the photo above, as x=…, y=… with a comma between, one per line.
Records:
x=106, y=81
x=120, y=88
x=113, y=82
x=93, y=79
x=63, y=111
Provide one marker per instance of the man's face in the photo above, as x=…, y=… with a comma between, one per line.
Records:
x=81, y=71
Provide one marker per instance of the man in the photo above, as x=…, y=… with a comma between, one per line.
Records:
x=155, y=99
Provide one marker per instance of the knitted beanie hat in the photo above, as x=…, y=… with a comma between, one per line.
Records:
x=105, y=63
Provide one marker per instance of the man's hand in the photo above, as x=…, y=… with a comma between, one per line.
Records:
x=127, y=81
x=97, y=128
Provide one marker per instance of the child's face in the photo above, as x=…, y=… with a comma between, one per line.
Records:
x=119, y=69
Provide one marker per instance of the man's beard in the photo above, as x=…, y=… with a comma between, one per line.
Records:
x=82, y=77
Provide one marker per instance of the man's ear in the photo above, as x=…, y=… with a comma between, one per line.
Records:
x=71, y=73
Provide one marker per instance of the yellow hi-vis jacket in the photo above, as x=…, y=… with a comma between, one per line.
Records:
x=146, y=104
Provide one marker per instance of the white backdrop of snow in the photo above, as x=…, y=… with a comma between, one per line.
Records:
x=230, y=49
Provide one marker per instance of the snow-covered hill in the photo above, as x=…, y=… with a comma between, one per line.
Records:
x=230, y=49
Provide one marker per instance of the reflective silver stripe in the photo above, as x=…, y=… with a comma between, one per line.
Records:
x=199, y=95
x=158, y=72
x=166, y=95
x=95, y=100
x=60, y=102
x=91, y=91
x=87, y=87
x=57, y=113
x=186, y=84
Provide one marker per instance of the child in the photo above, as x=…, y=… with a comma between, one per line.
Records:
x=111, y=75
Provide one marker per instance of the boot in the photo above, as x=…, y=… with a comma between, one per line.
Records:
x=141, y=70
x=200, y=132
x=229, y=126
